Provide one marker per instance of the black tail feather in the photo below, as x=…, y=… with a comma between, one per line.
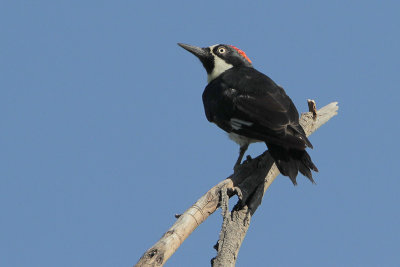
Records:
x=291, y=161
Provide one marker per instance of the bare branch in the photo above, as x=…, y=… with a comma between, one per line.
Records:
x=248, y=183
x=233, y=233
x=312, y=107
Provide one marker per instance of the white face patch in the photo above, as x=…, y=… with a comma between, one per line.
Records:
x=237, y=123
x=219, y=66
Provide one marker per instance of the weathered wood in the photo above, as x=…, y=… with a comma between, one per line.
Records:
x=236, y=223
x=158, y=254
x=249, y=181
x=312, y=107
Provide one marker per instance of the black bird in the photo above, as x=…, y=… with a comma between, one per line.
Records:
x=251, y=107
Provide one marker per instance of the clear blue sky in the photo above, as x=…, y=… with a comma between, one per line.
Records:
x=103, y=136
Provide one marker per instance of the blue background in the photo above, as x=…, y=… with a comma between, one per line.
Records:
x=103, y=136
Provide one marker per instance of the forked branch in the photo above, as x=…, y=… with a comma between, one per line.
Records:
x=249, y=182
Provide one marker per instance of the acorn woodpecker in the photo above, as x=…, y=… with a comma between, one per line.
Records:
x=251, y=107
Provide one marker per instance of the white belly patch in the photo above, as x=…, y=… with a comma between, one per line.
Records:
x=241, y=140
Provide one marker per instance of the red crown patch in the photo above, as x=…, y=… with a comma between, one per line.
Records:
x=242, y=53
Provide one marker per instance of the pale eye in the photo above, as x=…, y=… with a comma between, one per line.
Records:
x=221, y=50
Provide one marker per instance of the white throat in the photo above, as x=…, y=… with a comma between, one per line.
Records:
x=220, y=66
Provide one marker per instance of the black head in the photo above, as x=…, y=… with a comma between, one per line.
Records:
x=218, y=58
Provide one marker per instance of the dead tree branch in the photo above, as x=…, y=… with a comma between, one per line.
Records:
x=249, y=182
x=236, y=223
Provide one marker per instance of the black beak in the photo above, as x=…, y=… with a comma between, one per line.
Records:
x=199, y=52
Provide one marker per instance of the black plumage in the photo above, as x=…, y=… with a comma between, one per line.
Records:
x=248, y=104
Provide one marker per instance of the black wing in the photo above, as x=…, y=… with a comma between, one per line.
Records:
x=247, y=102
